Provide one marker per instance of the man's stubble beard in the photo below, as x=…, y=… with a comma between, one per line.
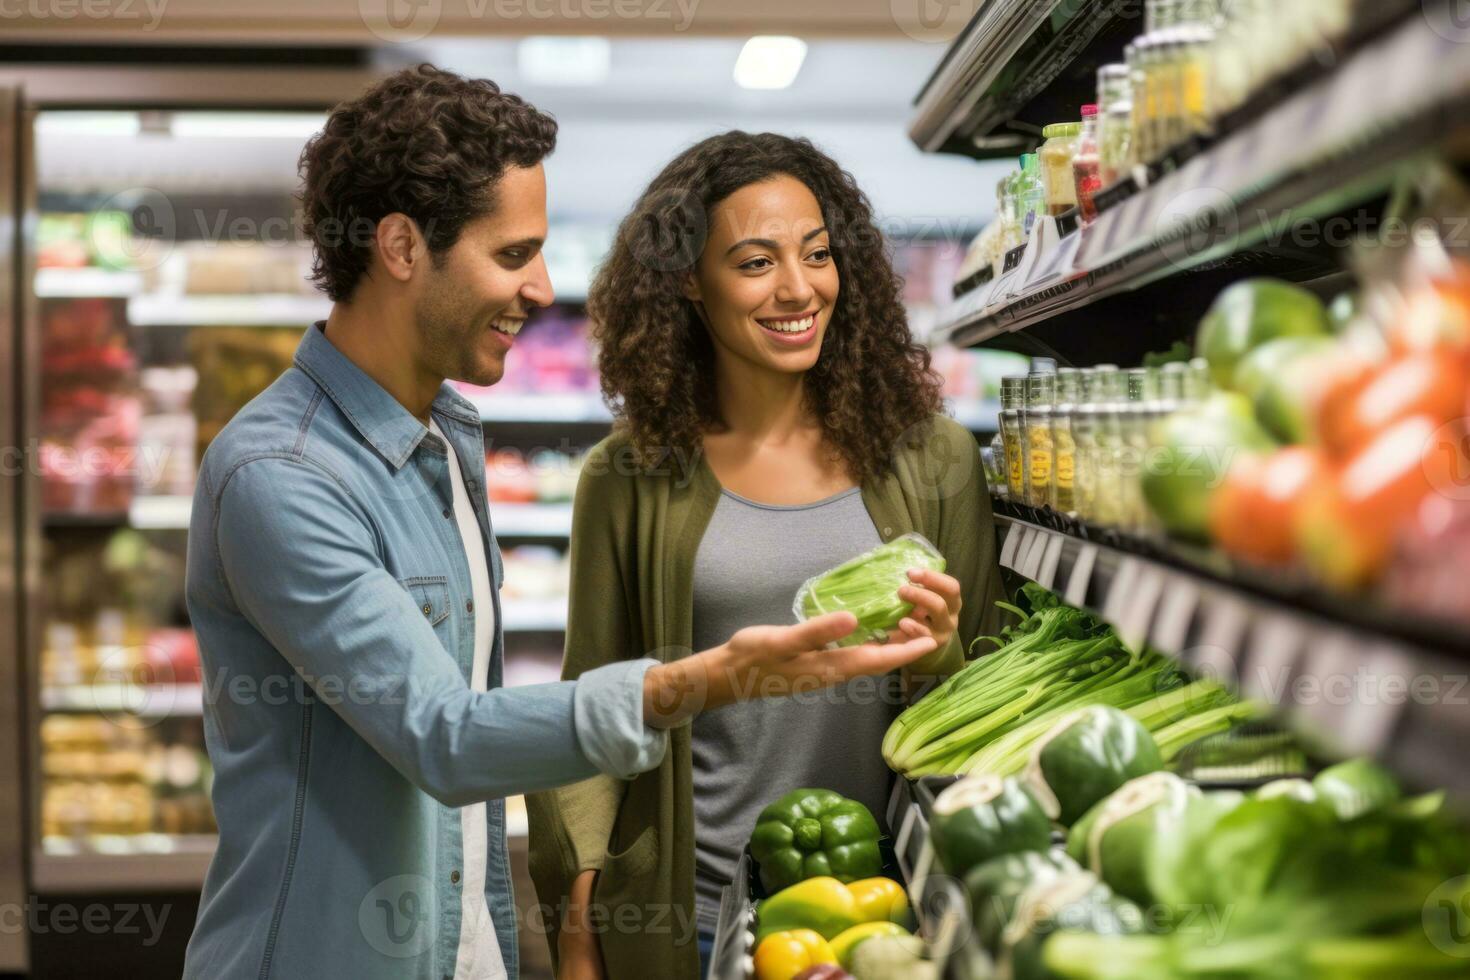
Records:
x=449, y=338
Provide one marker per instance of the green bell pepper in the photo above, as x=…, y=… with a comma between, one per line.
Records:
x=996, y=886
x=984, y=817
x=815, y=832
x=1113, y=839
x=1070, y=903
x=1086, y=757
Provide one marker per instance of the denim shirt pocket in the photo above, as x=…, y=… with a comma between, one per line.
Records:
x=431, y=594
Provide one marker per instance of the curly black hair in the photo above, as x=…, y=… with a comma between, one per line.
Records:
x=871, y=384
x=422, y=142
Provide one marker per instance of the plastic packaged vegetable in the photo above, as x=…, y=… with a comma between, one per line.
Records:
x=1112, y=840
x=996, y=886
x=867, y=586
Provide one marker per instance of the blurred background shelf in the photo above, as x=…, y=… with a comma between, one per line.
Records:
x=142, y=700
x=543, y=408
x=534, y=615
x=117, y=863
x=263, y=310
x=86, y=282
x=532, y=520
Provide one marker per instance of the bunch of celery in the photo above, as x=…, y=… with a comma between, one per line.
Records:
x=986, y=717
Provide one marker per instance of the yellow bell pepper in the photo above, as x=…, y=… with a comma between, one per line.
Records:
x=843, y=945
x=824, y=905
x=880, y=899
x=783, y=955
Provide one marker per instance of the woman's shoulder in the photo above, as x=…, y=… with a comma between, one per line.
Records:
x=937, y=435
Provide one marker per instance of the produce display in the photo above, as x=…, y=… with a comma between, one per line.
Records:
x=810, y=833
x=867, y=586
x=988, y=717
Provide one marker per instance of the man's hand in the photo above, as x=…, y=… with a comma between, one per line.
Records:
x=579, y=956
x=771, y=661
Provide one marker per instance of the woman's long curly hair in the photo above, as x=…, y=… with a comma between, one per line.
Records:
x=872, y=383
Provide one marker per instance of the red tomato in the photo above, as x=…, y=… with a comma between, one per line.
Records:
x=1347, y=525
x=1253, y=515
x=1431, y=384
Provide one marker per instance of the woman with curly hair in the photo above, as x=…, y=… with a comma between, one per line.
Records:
x=774, y=418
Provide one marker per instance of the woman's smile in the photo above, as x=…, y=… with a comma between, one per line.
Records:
x=794, y=330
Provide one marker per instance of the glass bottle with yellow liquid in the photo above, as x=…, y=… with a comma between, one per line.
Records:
x=1041, y=393
x=1064, y=445
x=1012, y=400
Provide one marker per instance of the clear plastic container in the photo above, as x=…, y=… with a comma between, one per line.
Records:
x=1087, y=166
x=867, y=586
x=1112, y=393
x=1140, y=64
x=1056, y=166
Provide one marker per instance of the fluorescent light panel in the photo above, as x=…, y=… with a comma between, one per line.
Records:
x=769, y=62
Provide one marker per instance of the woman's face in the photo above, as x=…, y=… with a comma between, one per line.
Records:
x=767, y=278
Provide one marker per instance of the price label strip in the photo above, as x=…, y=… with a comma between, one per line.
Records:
x=1031, y=566
x=1176, y=612
x=1012, y=545
x=1139, y=605
x=1050, y=560
x=1081, y=576
x=1218, y=653
x=1115, y=606
x=1275, y=654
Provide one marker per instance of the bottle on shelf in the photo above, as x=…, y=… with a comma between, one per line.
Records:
x=1031, y=196
x=1115, y=121
x=1005, y=202
x=1087, y=166
x=1041, y=392
x=1064, y=445
x=1140, y=56
x=1012, y=401
x=1084, y=439
x=1107, y=471
x=1056, y=156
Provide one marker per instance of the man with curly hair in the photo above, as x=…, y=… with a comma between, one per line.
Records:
x=343, y=577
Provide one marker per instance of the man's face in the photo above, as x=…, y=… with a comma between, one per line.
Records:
x=478, y=294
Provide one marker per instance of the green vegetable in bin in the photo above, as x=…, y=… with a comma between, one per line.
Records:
x=867, y=586
x=985, y=817
x=1076, y=903
x=1087, y=756
x=1113, y=839
x=810, y=833
x=1357, y=787
x=997, y=885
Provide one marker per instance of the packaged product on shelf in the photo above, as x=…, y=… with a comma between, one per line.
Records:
x=1012, y=401
x=167, y=431
x=234, y=364
x=1041, y=392
x=1087, y=165
x=1030, y=196
x=1056, y=156
x=1064, y=445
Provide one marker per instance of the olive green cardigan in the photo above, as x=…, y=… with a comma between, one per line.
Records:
x=634, y=537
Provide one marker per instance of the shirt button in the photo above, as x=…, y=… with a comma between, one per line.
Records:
x=469, y=606
x=446, y=511
x=454, y=877
x=427, y=609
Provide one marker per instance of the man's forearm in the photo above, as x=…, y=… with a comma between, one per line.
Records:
x=677, y=691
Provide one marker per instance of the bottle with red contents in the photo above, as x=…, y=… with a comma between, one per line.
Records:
x=1087, y=165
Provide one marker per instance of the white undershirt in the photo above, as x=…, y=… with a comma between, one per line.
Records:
x=479, y=952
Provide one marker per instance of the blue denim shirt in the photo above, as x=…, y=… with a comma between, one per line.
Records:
x=332, y=599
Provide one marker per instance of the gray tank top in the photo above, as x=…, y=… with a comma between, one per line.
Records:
x=751, y=561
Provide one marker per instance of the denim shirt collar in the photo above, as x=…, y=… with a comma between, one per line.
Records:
x=387, y=426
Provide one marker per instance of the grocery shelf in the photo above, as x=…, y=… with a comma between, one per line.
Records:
x=82, y=283
x=165, y=512
x=1007, y=57
x=1352, y=679
x=250, y=310
x=1330, y=145
x=122, y=863
x=544, y=408
x=534, y=615
x=143, y=700
x=531, y=520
